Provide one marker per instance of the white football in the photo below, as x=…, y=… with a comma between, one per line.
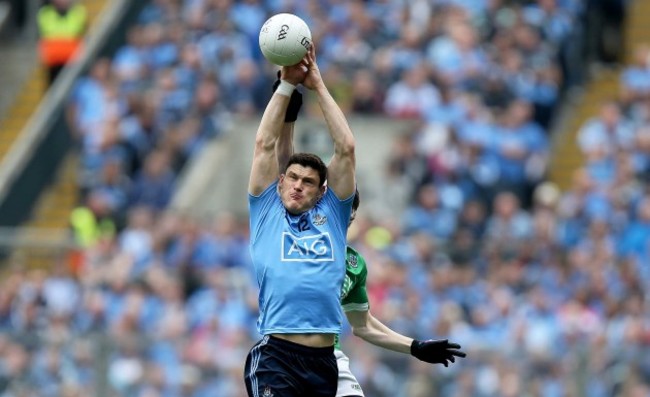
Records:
x=284, y=39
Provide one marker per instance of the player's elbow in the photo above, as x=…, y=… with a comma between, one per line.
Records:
x=361, y=332
x=346, y=147
x=264, y=143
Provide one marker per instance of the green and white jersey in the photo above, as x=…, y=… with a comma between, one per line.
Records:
x=354, y=296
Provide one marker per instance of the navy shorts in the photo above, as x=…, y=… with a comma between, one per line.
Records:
x=279, y=368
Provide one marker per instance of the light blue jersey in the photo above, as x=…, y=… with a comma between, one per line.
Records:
x=299, y=262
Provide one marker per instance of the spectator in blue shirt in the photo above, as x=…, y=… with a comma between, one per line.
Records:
x=635, y=79
x=428, y=216
x=636, y=241
x=412, y=95
x=606, y=132
x=508, y=225
x=456, y=57
x=131, y=60
x=154, y=184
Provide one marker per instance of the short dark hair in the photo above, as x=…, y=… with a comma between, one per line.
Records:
x=311, y=161
x=355, y=205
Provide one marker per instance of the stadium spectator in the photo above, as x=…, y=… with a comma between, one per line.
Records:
x=412, y=95
x=93, y=221
x=115, y=186
x=366, y=98
x=604, y=134
x=154, y=184
x=428, y=215
x=635, y=79
x=61, y=26
x=456, y=58
x=508, y=226
x=520, y=148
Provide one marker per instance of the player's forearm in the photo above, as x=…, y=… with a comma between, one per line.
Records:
x=284, y=146
x=375, y=332
x=337, y=124
x=272, y=122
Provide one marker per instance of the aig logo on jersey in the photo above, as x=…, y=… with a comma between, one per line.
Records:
x=315, y=248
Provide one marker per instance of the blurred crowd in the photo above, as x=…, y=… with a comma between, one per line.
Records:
x=491, y=71
x=545, y=290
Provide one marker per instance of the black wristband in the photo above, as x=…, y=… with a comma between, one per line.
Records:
x=415, y=347
x=295, y=103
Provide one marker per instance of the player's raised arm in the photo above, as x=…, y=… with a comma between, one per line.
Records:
x=265, y=169
x=341, y=168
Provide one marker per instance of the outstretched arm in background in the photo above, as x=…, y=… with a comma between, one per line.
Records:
x=370, y=329
x=341, y=169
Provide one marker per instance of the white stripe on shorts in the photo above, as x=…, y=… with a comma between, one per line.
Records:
x=255, y=361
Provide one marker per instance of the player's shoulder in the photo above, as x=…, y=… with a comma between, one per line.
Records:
x=351, y=252
x=331, y=199
x=269, y=192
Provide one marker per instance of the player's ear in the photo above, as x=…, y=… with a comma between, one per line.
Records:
x=280, y=180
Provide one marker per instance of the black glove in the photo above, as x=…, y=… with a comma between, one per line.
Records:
x=295, y=103
x=436, y=351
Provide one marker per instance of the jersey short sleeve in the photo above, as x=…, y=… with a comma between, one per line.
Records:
x=339, y=209
x=355, y=293
x=259, y=207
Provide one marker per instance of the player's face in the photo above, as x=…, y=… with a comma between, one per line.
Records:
x=300, y=188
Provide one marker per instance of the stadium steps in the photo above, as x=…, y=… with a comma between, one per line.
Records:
x=49, y=219
x=54, y=206
x=566, y=157
x=22, y=108
x=52, y=210
x=638, y=26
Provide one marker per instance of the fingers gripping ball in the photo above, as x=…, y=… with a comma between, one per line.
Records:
x=284, y=39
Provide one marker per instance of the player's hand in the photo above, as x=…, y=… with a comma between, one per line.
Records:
x=313, y=80
x=295, y=103
x=436, y=351
x=294, y=74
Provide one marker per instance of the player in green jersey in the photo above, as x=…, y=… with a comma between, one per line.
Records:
x=354, y=297
x=355, y=303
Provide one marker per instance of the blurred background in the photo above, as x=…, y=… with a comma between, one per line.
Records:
x=504, y=157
